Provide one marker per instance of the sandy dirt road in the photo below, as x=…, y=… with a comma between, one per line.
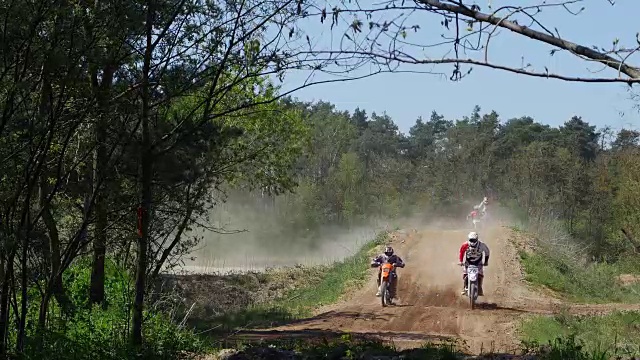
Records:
x=430, y=307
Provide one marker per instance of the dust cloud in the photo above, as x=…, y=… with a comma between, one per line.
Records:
x=258, y=233
x=256, y=237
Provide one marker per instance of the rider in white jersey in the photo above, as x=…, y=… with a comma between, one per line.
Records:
x=472, y=250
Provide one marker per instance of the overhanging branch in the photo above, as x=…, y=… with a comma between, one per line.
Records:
x=621, y=67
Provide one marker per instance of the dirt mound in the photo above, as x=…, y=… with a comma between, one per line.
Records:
x=207, y=296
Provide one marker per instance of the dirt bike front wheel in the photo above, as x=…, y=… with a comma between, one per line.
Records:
x=384, y=291
x=472, y=295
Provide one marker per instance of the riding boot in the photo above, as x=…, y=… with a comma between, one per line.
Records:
x=378, y=282
x=480, y=291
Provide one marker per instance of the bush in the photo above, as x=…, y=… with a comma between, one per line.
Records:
x=592, y=337
x=102, y=332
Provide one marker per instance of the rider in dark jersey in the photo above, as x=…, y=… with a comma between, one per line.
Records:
x=387, y=256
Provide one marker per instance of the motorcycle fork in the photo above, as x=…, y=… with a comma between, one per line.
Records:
x=465, y=279
x=393, y=283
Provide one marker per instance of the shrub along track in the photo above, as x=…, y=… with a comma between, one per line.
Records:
x=430, y=306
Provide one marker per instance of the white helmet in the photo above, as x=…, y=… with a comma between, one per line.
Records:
x=472, y=239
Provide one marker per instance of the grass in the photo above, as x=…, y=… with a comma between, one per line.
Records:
x=335, y=282
x=323, y=285
x=555, y=266
x=615, y=334
x=592, y=283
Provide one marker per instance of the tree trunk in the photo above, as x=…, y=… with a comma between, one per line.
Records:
x=24, y=285
x=7, y=267
x=146, y=159
x=142, y=244
x=52, y=252
x=96, y=290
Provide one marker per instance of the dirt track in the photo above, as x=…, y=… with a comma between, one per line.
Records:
x=430, y=306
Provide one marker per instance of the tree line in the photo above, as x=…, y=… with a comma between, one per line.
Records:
x=574, y=175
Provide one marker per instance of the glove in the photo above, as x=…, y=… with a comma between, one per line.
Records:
x=486, y=263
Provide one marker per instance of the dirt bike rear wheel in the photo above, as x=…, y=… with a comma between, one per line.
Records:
x=384, y=290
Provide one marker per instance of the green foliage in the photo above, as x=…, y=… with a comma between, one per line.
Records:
x=563, y=182
x=118, y=284
x=580, y=281
x=87, y=333
x=78, y=138
x=595, y=337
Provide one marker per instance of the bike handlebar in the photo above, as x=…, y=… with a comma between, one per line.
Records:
x=462, y=264
x=373, y=265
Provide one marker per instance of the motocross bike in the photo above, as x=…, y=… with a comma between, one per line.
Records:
x=385, y=282
x=480, y=222
x=387, y=270
x=473, y=272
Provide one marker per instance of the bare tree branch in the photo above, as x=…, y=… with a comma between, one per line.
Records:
x=385, y=46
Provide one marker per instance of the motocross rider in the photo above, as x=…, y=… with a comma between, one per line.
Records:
x=390, y=257
x=472, y=249
x=474, y=215
x=483, y=205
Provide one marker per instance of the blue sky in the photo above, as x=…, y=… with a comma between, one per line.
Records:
x=406, y=96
